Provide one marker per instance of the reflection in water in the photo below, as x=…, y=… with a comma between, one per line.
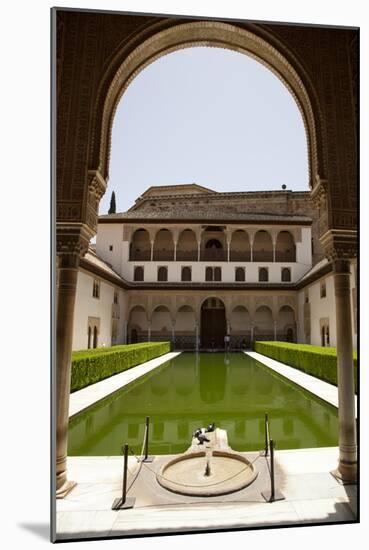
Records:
x=185, y=376
x=288, y=426
x=194, y=390
x=212, y=377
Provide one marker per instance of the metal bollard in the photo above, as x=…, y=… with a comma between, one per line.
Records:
x=272, y=495
x=124, y=502
x=266, y=433
x=146, y=457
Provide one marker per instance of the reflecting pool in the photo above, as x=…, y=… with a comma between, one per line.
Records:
x=193, y=390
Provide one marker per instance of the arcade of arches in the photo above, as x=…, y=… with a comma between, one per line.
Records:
x=97, y=56
x=204, y=322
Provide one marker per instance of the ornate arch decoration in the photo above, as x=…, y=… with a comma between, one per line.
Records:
x=130, y=61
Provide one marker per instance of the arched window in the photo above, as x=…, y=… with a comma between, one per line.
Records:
x=286, y=275
x=217, y=274
x=162, y=273
x=138, y=273
x=240, y=274
x=263, y=275
x=209, y=274
x=95, y=337
x=186, y=274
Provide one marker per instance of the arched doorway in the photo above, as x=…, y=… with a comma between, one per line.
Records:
x=213, y=324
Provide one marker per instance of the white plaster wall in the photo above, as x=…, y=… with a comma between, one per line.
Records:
x=303, y=248
x=87, y=306
x=107, y=235
x=323, y=308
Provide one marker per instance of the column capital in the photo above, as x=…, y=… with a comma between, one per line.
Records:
x=72, y=241
x=339, y=244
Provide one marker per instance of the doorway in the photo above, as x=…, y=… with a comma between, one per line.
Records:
x=213, y=324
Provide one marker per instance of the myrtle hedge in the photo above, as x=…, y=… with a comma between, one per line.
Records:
x=315, y=360
x=93, y=365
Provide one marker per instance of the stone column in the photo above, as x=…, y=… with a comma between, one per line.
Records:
x=72, y=244
x=347, y=464
x=275, y=330
x=197, y=335
x=149, y=331
x=68, y=272
x=251, y=333
x=151, y=251
x=198, y=250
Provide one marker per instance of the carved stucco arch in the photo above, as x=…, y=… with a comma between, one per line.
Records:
x=208, y=34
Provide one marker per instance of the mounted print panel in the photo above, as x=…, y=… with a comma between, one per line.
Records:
x=206, y=275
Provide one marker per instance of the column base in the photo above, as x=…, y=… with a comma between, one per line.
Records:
x=65, y=489
x=346, y=475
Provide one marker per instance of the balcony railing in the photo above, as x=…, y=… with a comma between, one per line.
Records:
x=240, y=256
x=160, y=255
x=285, y=256
x=213, y=255
x=187, y=255
x=262, y=256
x=142, y=256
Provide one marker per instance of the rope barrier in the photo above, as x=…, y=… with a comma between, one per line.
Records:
x=139, y=460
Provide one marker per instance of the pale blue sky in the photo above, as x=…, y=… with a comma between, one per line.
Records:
x=210, y=116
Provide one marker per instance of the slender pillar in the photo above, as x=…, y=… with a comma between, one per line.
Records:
x=68, y=272
x=149, y=331
x=273, y=251
x=175, y=251
x=347, y=465
x=275, y=330
x=197, y=335
x=251, y=333
x=251, y=252
x=151, y=251
x=228, y=250
x=198, y=250
x=173, y=332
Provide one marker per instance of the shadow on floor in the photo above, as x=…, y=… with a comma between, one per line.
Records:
x=42, y=530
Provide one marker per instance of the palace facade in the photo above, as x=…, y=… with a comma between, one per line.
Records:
x=192, y=265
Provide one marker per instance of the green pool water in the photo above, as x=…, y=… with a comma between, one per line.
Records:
x=193, y=390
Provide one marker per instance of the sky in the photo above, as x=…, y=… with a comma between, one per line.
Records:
x=209, y=116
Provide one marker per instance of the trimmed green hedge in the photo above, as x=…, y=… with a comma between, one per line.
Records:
x=315, y=360
x=93, y=365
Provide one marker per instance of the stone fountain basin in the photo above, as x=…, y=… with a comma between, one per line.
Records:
x=185, y=474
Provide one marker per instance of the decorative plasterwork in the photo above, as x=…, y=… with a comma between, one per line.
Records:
x=72, y=240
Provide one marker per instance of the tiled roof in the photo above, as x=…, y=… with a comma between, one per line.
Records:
x=210, y=213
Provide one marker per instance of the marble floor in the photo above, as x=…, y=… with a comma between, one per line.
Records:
x=312, y=495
